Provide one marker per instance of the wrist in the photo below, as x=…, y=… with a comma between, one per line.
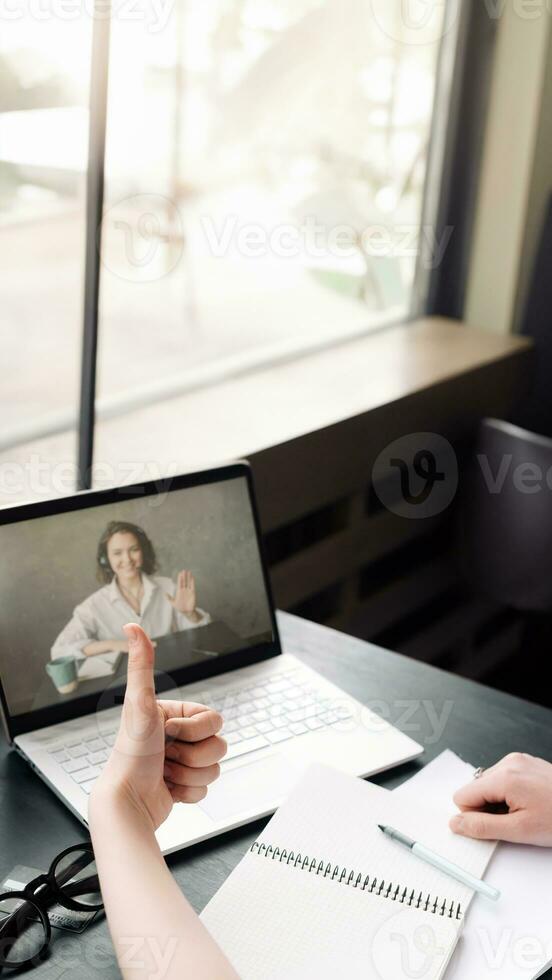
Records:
x=112, y=801
x=194, y=616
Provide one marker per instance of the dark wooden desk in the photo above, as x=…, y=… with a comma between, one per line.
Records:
x=438, y=709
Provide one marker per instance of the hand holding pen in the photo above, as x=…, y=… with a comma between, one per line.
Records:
x=524, y=785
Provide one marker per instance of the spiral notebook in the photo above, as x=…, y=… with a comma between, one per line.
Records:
x=322, y=890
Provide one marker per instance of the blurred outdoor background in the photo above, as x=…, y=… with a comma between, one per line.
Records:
x=264, y=187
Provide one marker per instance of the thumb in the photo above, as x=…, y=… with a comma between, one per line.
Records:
x=481, y=826
x=141, y=658
x=138, y=734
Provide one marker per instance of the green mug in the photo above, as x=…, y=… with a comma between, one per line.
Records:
x=63, y=672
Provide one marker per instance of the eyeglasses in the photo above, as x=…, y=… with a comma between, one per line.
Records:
x=71, y=881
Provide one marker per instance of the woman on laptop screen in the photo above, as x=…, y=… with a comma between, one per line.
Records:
x=126, y=566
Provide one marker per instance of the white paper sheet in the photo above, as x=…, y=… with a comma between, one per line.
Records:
x=512, y=938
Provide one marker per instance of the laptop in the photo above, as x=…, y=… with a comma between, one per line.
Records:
x=187, y=552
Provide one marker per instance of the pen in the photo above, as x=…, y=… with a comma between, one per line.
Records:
x=442, y=864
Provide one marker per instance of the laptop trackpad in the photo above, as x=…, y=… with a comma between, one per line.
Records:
x=259, y=785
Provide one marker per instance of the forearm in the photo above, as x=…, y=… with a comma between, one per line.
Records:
x=154, y=929
x=95, y=647
x=197, y=617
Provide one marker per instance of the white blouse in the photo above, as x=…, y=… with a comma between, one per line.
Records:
x=103, y=615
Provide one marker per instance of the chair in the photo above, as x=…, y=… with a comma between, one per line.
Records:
x=505, y=518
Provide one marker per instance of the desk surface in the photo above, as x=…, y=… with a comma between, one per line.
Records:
x=438, y=709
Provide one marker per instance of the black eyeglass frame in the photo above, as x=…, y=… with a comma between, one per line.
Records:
x=40, y=902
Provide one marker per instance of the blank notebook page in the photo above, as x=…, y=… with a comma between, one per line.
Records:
x=279, y=920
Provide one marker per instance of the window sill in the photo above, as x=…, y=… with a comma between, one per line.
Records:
x=249, y=416
x=246, y=415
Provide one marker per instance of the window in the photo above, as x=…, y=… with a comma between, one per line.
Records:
x=265, y=171
x=44, y=80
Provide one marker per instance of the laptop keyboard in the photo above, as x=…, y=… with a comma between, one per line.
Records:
x=84, y=760
x=262, y=714
x=256, y=716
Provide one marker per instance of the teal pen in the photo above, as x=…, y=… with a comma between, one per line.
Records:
x=442, y=864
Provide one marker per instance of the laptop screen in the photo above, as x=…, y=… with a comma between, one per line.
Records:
x=184, y=562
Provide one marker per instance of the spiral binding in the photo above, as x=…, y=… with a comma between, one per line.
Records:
x=374, y=886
